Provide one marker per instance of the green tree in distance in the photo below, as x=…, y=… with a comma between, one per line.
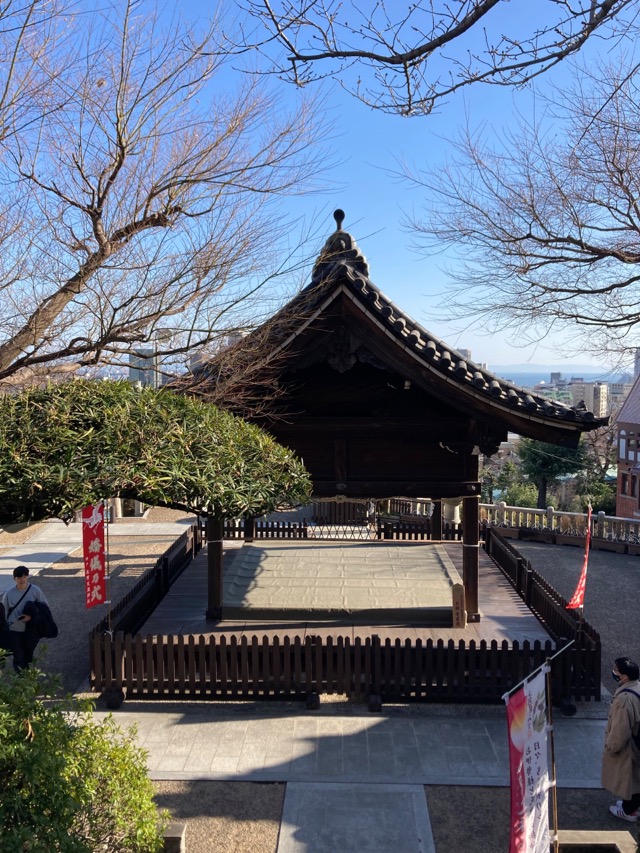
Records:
x=543, y=463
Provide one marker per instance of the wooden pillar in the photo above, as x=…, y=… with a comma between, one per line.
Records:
x=249, y=528
x=471, y=555
x=436, y=520
x=214, y=568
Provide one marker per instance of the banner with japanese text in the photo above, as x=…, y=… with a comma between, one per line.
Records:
x=94, y=555
x=529, y=767
x=577, y=600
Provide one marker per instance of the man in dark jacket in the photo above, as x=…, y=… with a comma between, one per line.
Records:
x=21, y=636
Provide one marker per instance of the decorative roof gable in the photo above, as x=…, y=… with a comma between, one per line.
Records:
x=341, y=272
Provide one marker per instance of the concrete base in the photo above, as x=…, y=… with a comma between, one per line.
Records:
x=175, y=838
x=599, y=842
x=356, y=818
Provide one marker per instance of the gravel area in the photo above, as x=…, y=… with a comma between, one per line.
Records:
x=225, y=817
x=13, y=535
x=476, y=820
x=611, y=594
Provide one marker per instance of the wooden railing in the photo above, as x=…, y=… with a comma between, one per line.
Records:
x=132, y=611
x=383, y=529
x=549, y=606
x=206, y=667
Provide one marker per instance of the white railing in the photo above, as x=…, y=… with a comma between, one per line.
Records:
x=550, y=520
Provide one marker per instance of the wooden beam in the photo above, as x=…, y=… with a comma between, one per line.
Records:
x=471, y=555
x=436, y=520
x=393, y=488
x=214, y=568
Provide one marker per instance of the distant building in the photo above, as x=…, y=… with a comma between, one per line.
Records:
x=628, y=435
x=594, y=395
x=618, y=393
x=143, y=366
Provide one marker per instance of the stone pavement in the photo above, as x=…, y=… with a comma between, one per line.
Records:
x=354, y=779
x=383, y=580
x=55, y=539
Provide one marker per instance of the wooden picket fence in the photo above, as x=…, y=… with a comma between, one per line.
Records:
x=384, y=529
x=402, y=670
x=539, y=596
x=211, y=667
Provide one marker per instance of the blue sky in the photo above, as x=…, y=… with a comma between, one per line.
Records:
x=367, y=145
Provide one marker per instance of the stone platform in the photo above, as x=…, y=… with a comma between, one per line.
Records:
x=372, y=582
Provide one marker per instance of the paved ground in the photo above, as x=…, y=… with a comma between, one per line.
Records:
x=279, y=778
x=383, y=579
x=182, y=611
x=357, y=781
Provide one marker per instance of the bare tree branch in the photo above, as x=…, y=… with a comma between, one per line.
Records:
x=405, y=58
x=548, y=221
x=142, y=208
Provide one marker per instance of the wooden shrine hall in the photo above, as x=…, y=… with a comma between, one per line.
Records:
x=377, y=407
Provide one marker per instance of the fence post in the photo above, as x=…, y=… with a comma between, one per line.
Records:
x=165, y=575
x=550, y=514
x=215, y=527
x=249, y=528
x=600, y=533
x=519, y=572
x=528, y=575
x=501, y=513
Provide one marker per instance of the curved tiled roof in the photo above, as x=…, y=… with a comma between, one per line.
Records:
x=341, y=261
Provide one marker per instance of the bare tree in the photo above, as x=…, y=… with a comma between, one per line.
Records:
x=405, y=57
x=138, y=198
x=546, y=220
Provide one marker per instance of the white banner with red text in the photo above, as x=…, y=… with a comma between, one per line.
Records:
x=529, y=766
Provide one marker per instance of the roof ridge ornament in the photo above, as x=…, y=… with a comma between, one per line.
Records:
x=339, y=250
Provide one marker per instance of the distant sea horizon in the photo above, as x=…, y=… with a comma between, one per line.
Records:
x=531, y=378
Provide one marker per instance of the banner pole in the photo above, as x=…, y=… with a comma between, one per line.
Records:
x=552, y=755
x=107, y=577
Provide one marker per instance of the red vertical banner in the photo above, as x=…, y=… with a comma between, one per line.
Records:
x=529, y=767
x=94, y=555
x=578, y=596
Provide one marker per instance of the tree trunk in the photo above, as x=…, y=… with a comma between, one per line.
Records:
x=542, y=493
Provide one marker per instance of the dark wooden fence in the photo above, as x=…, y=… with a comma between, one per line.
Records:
x=207, y=667
x=584, y=656
x=132, y=611
x=384, y=529
x=197, y=667
x=339, y=512
x=256, y=529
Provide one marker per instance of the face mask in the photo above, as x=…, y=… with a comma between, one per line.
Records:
x=615, y=676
